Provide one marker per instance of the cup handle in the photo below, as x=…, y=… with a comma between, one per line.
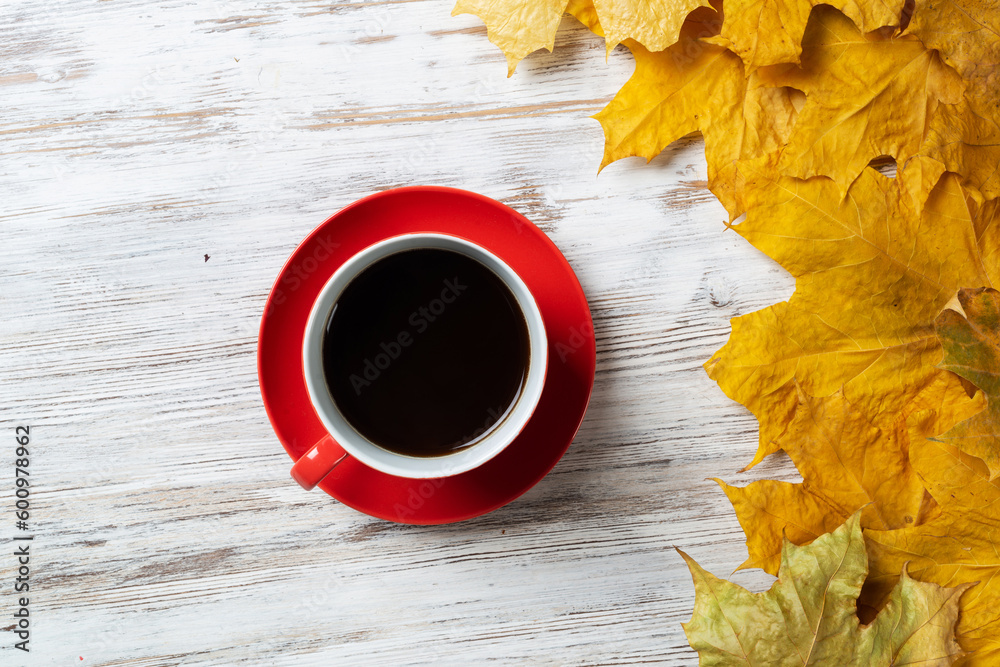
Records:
x=318, y=462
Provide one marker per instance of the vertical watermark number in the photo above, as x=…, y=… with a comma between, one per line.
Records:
x=22, y=541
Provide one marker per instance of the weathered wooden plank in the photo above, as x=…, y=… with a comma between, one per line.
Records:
x=136, y=139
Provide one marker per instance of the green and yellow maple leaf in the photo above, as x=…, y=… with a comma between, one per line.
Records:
x=972, y=350
x=808, y=616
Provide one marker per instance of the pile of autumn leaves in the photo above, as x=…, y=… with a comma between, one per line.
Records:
x=880, y=377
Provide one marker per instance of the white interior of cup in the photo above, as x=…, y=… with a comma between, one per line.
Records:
x=488, y=445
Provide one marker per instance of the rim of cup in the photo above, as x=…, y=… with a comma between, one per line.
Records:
x=497, y=437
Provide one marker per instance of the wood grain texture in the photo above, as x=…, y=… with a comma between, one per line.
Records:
x=136, y=139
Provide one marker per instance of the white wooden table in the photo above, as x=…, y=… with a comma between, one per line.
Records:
x=159, y=163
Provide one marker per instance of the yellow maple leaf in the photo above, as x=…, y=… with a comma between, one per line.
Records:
x=584, y=12
x=694, y=86
x=856, y=97
x=958, y=547
x=919, y=176
x=965, y=136
x=867, y=95
x=520, y=27
x=808, y=616
x=967, y=33
x=847, y=464
x=871, y=276
x=770, y=32
x=689, y=86
x=972, y=350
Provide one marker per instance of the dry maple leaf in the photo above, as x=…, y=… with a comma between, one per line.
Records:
x=520, y=27
x=972, y=350
x=966, y=136
x=769, y=32
x=871, y=276
x=694, y=86
x=584, y=12
x=867, y=95
x=808, y=616
x=847, y=464
x=967, y=33
x=864, y=96
x=919, y=175
x=960, y=546
x=689, y=86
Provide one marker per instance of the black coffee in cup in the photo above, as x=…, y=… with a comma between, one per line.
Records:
x=425, y=351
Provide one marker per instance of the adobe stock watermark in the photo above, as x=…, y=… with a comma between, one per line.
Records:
x=420, y=320
x=428, y=144
x=693, y=48
x=300, y=271
x=258, y=143
x=419, y=494
x=375, y=26
x=578, y=337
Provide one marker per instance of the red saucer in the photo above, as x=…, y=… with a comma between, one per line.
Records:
x=524, y=247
